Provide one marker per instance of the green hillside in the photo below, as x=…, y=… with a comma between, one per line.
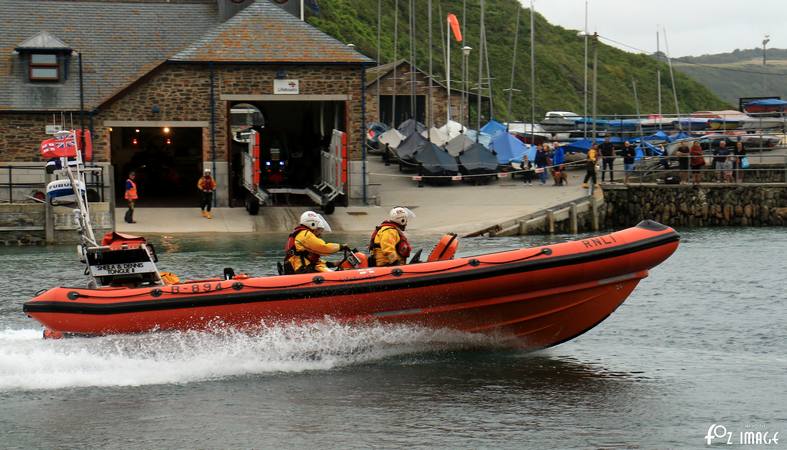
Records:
x=559, y=57
x=739, y=73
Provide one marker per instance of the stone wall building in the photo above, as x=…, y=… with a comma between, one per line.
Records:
x=394, y=80
x=162, y=82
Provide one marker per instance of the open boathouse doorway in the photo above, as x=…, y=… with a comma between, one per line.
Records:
x=166, y=160
x=293, y=134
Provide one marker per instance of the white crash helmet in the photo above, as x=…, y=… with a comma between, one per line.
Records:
x=401, y=215
x=312, y=220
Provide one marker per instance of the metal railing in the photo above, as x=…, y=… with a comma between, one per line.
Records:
x=13, y=186
x=332, y=169
x=762, y=168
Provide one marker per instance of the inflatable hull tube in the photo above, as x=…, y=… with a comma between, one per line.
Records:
x=529, y=298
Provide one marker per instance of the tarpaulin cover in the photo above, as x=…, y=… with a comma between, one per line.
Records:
x=651, y=149
x=583, y=145
x=436, y=161
x=767, y=102
x=411, y=126
x=408, y=148
x=493, y=127
x=452, y=129
x=436, y=136
x=375, y=129
x=459, y=143
x=392, y=138
x=478, y=159
x=509, y=148
x=483, y=138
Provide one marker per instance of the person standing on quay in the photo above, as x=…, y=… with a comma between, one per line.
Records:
x=527, y=167
x=741, y=161
x=542, y=161
x=720, y=155
x=607, y=160
x=629, y=157
x=683, y=155
x=206, y=185
x=697, y=161
x=131, y=197
x=590, y=167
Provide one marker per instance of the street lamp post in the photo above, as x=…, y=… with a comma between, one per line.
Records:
x=764, y=43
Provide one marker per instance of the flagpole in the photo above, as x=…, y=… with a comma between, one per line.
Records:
x=448, y=67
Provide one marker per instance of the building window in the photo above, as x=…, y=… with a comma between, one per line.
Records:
x=44, y=67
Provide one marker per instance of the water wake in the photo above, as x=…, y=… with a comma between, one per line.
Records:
x=28, y=362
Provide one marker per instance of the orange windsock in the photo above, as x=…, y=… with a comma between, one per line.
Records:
x=454, y=22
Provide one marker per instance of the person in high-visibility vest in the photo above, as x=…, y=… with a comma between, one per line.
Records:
x=131, y=197
x=206, y=185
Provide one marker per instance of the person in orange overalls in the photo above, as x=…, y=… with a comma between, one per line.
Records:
x=131, y=197
x=206, y=185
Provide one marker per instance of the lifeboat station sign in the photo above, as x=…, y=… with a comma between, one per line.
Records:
x=285, y=87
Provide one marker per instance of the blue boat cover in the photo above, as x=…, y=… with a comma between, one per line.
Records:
x=510, y=149
x=650, y=149
x=583, y=145
x=767, y=102
x=630, y=124
x=589, y=121
x=493, y=128
x=659, y=136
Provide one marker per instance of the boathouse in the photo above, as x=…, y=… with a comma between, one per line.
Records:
x=167, y=85
x=403, y=91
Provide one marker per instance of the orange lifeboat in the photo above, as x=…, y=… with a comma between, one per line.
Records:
x=531, y=297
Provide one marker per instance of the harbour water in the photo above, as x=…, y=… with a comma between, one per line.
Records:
x=702, y=341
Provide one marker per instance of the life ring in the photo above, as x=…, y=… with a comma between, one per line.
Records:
x=445, y=248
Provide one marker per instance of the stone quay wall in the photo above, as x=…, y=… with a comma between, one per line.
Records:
x=713, y=205
x=24, y=223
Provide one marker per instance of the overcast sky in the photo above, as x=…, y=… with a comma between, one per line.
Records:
x=694, y=27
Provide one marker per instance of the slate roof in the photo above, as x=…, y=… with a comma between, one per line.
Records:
x=43, y=41
x=119, y=42
x=123, y=40
x=264, y=32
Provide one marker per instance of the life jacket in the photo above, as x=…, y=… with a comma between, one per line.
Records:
x=131, y=193
x=308, y=259
x=206, y=184
x=403, y=247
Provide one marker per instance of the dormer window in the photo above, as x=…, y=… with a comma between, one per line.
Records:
x=46, y=57
x=44, y=67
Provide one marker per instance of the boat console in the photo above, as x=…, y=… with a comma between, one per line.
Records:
x=123, y=260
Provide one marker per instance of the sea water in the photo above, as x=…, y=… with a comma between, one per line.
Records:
x=701, y=343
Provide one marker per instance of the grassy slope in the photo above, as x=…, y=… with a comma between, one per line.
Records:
x=559, y=57
x=739, y=73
